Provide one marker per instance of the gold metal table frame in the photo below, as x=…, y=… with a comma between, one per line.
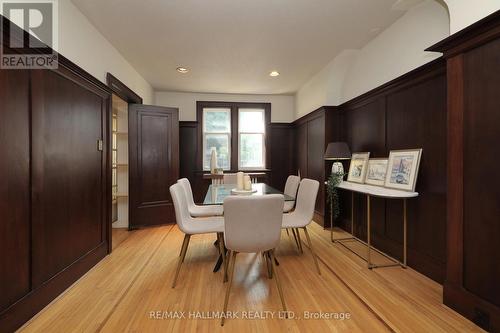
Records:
x=370, y=265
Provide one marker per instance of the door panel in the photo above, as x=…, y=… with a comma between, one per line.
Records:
x=14, y=186
x=153, y=162
x=68, y=179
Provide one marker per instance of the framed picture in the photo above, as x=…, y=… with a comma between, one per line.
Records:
x=357, y=169
x=402, y=169
x=377, y=169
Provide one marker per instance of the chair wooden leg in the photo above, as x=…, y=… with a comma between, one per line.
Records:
x=296, y=240
x=312, y=251
x=299, y=240
x=277, y=278
x=184, y=247
x=287, y=232
x=232, y=262
x=268, y=264
x=222, y=250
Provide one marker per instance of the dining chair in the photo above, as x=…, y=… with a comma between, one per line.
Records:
x=303, y=214
x=251, y=225
x=291, y=187
x=194, y=209
x=193, y=226
x=230, y=178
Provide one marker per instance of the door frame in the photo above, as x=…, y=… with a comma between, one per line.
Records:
x=128, y=95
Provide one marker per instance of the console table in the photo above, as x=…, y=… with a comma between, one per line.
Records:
x=382, y=192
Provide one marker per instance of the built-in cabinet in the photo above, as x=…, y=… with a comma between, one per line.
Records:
x=55, y=193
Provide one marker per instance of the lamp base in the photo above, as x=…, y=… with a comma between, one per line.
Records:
x=337, y=167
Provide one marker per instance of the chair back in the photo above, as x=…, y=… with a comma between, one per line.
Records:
x=230, y=178
x=292, y=185
x=180, y=206
x=253, y=223
x=306, y=199
x=186, y=185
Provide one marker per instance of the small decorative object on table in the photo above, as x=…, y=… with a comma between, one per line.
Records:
x=213, y=161
x=244, y=185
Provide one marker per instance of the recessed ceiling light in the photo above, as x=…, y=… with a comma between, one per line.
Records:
x=182, y=70
x=274, y=73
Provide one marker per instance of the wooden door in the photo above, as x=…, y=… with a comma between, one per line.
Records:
x=14, y=186
x=69, y=116
x=153, y=164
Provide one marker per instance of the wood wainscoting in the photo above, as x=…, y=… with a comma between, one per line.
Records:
x=55, y=184
x=473, y=229
x=409, y=112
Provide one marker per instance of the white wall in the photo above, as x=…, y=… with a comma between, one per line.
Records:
x=325, y=88
x=465, y=12
x=395, y=51
x=282, y=106
x=398, y=49
x=82, y=43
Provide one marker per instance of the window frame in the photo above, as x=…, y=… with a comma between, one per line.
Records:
x=264, y=133
x=234, y=144
x=204, y=135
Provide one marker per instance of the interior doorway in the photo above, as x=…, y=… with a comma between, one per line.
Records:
x=121, y=98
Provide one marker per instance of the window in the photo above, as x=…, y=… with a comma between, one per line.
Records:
x=251, y=138
x=237, y=131
x=217, y=135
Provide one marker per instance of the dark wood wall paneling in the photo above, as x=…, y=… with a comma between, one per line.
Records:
x=473, y=229
x=312, y=133
x=55, y=186
x=409, y=112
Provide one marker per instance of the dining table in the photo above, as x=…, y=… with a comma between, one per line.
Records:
x=216, y=194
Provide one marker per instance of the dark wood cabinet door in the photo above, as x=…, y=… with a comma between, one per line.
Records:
x=14, y=186
x=68, y=212
x=153, y=163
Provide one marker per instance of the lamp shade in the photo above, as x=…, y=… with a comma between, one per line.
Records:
x=337, y=151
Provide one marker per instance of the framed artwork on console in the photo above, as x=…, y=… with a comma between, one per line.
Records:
x=402, y=169
x=357, y=169
x=377, y=169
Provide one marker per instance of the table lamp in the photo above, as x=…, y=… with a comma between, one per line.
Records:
x=336, y=151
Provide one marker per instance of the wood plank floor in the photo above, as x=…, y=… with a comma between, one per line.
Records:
x=121, y=292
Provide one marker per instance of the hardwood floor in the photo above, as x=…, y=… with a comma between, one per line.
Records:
x=121, y=292
x=118, y=236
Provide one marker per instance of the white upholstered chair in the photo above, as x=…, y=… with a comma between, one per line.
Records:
x=291, y=187
x=252, y=225
x=193, y=226
x=196, y=210
x=230, y=178
x=302, y=216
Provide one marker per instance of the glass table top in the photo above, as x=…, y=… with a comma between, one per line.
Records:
x=216, y=193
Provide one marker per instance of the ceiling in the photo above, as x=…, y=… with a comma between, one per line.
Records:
x=230, y=46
